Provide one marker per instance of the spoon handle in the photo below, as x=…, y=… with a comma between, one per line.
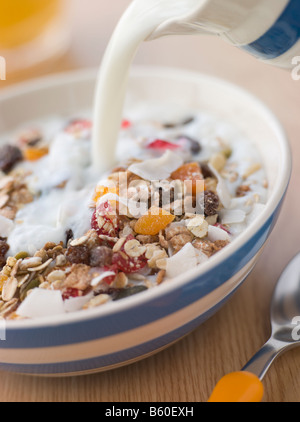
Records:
x=263, y=359
x=238, y=387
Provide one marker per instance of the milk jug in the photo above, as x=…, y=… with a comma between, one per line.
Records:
x=267, y=29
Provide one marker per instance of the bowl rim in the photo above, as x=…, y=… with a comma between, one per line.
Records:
x=88, y=74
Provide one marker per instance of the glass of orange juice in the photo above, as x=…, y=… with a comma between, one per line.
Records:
x=32, y=31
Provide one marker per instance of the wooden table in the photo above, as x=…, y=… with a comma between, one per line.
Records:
x=189, y=370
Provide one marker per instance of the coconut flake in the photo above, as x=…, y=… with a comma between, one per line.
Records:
x=77, y=303
x=6, y=226
x=222, y=189
x=232, y=216
x=41, y=303
x=183, y=261
x=216, y=233
x=255, y=213
x=201, y=257
x=97, y=280
x=157, y=168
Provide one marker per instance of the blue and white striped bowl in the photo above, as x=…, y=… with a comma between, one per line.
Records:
x=124, y=332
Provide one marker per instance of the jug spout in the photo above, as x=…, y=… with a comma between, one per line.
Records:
x=206, y=17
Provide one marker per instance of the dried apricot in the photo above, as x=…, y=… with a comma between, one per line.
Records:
x=190, y=172
x=152, y=223
x=34, y=154
x=104, y=190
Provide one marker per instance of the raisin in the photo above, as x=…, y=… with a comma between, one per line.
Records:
x=206, y=171
x=4, y=247
x=9, y=156
x=69, y=236
x=194, y=146
x=101, y=256
x=211, y=203
x=78, y=255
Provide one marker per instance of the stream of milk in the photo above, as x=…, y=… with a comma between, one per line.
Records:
x=136, y=25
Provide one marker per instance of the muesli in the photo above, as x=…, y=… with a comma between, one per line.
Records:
x=183, y=190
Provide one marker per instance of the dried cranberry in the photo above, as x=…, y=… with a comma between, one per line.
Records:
x=105, y=221
x=78, y=255
x=9, y=156
x=126, y=124
x=128, y=264
x=101, y=256
x=70, y=293
x=111, y=278
x=159, y=144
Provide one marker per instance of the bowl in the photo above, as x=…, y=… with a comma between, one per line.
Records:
x=121, y=333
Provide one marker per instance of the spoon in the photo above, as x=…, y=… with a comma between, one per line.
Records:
x=246, y=385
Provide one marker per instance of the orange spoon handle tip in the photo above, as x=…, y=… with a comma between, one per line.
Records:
x=238, y=387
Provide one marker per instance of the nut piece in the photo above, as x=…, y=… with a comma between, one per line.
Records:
x=79, y=278
x=121, y=281
x=147, y=239
x=210, y=248
x=198, y=226
x=218, y=161
x=156, y=256
x=57, y=275
x=178, y=237
x=134, y=249
x=30, y=263
x=78, y=242
x=242, y=190
x=160, y=277
x=97, y=301
x=9, y=289
x=251, y=170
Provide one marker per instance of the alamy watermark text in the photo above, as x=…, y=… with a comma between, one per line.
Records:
x=2, y=69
